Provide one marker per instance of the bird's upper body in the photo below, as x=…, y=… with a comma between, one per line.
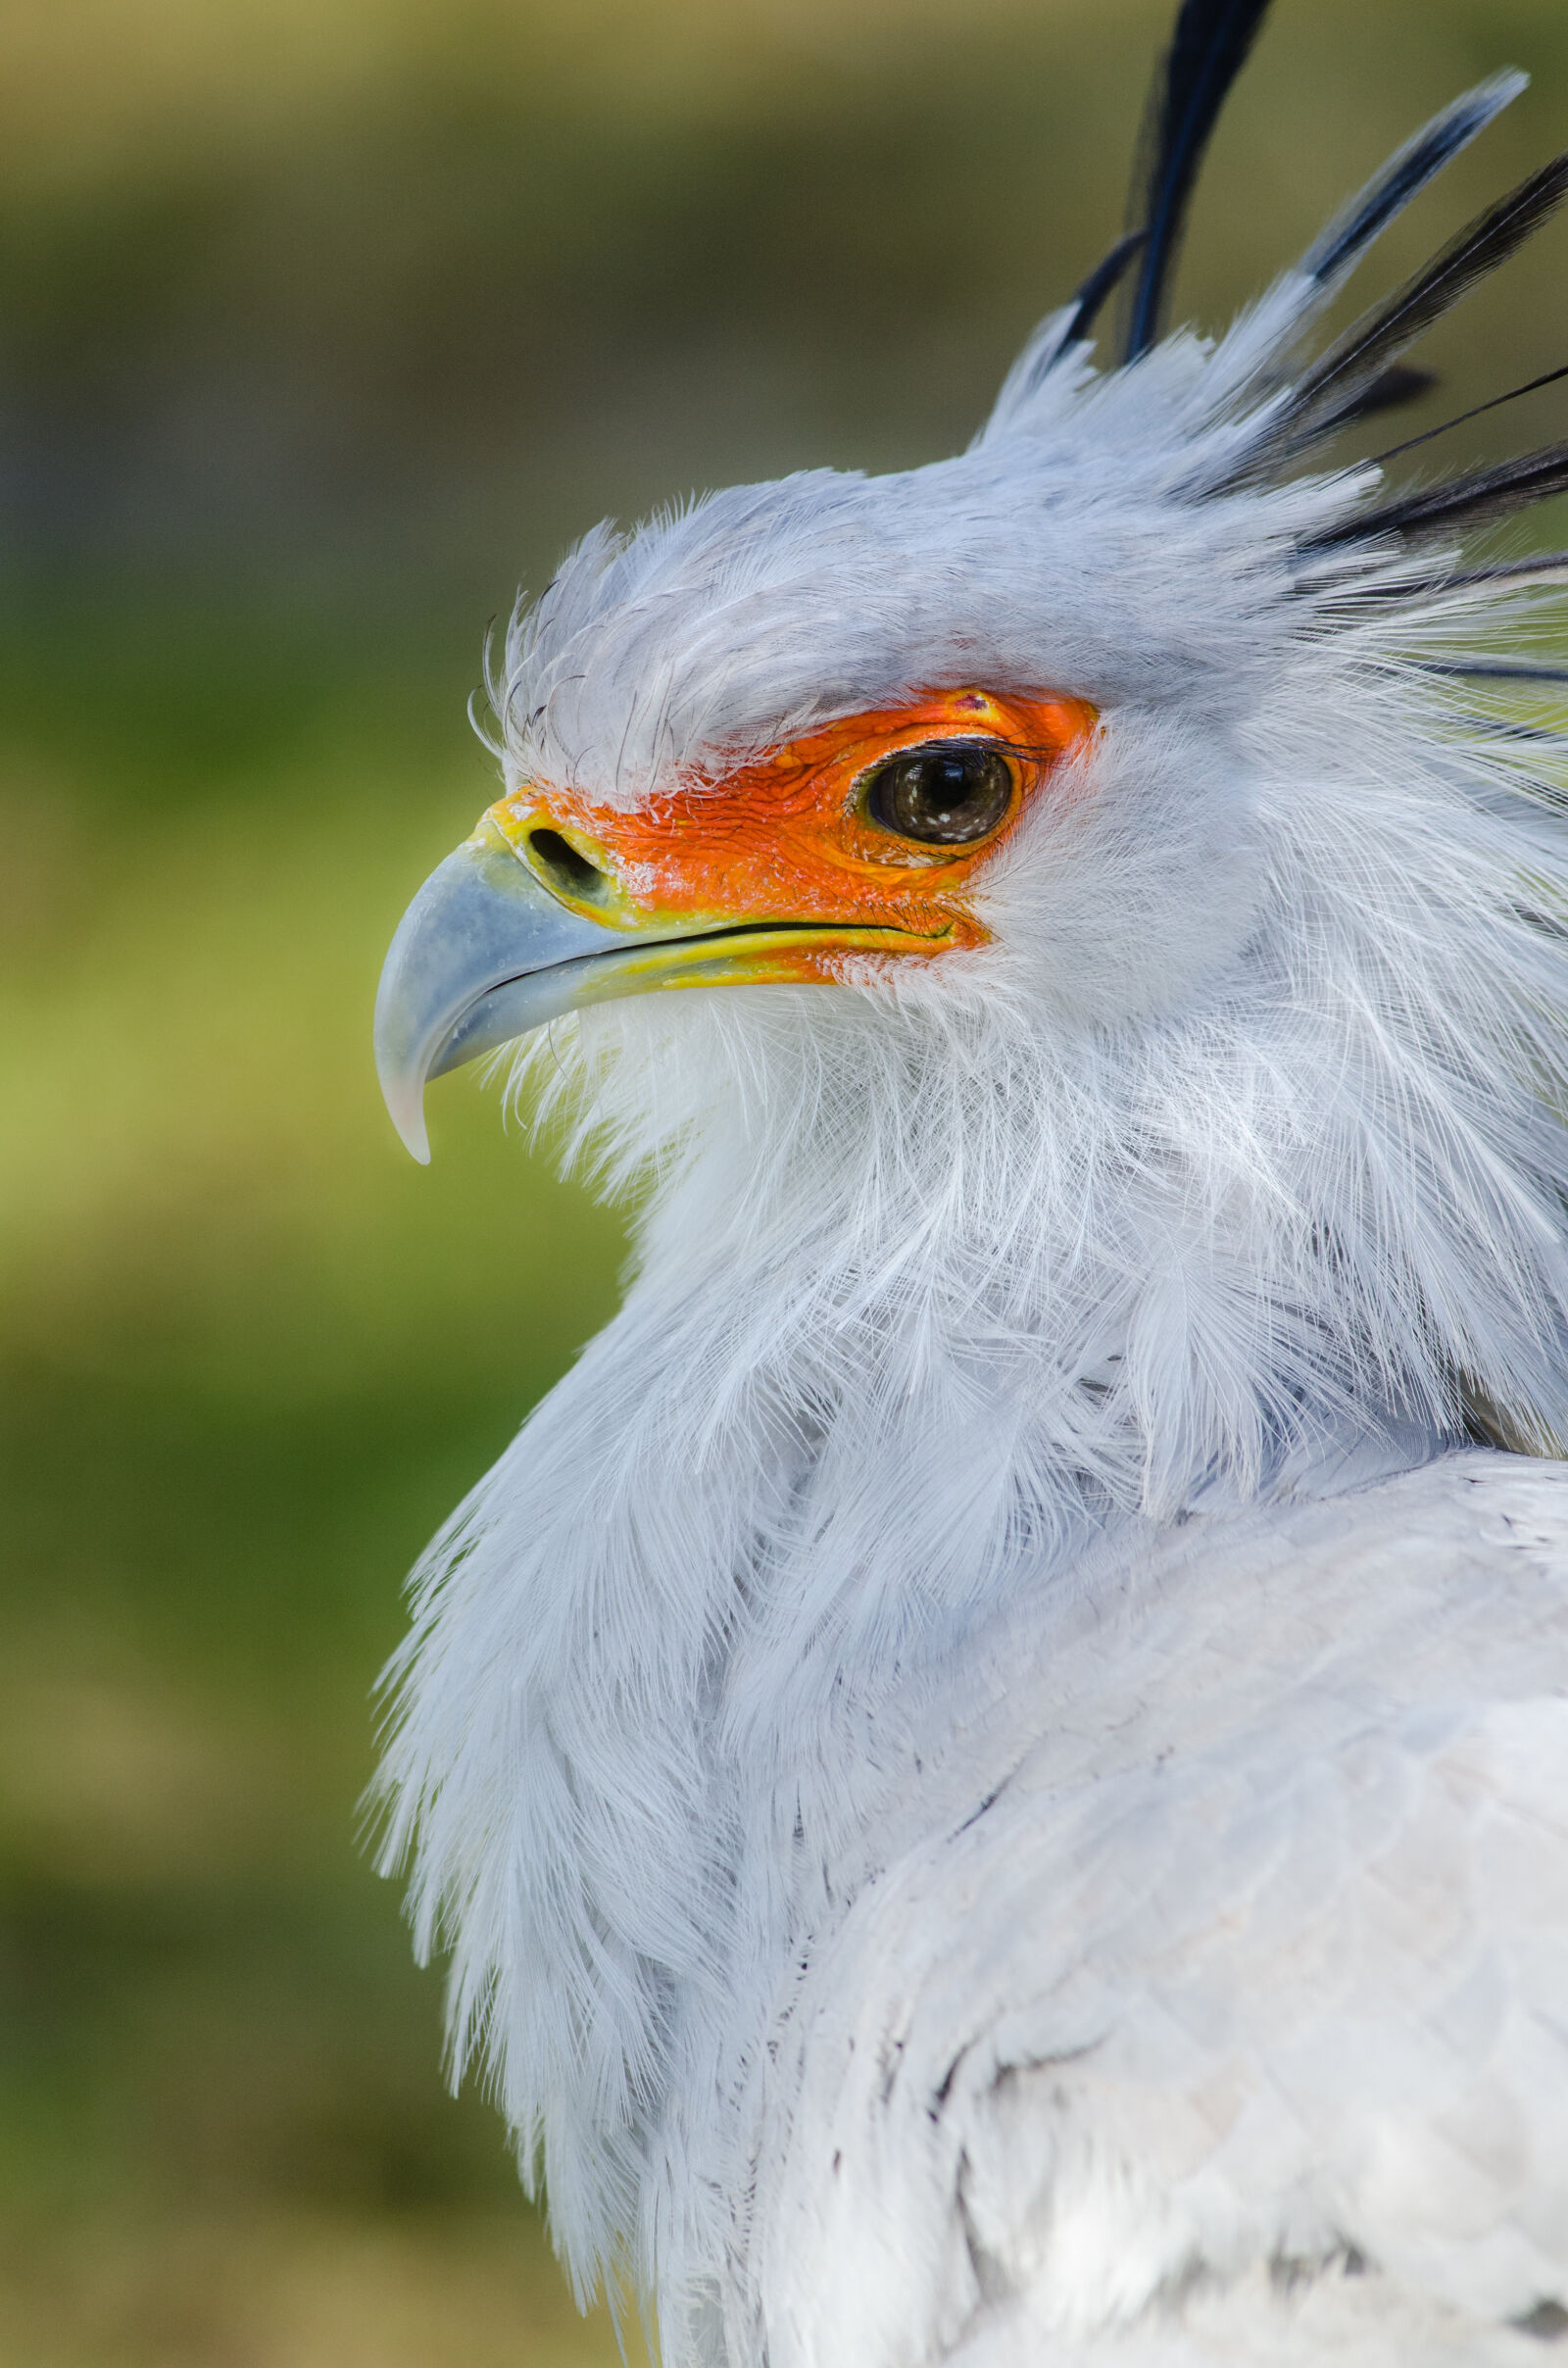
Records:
x=994, y=1758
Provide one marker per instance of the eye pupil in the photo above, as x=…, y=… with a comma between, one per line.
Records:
x=944, y=796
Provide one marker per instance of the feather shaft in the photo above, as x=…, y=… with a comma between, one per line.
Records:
x=1495, y=403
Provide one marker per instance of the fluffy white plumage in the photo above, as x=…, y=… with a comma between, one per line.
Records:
x=994, y=1765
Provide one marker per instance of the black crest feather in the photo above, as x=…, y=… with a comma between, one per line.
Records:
x=1543, y=567
x=1496, y=669
x=1371, y=343
x=1101, y=282
x=1406, y=173
x=1474, y=500
x=1087, y=305
x=1208, y=51
x=1546, y=571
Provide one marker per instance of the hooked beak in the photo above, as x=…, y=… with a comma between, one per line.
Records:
x=486, y=953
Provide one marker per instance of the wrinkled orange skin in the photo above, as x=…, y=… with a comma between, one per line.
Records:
x=786, y=838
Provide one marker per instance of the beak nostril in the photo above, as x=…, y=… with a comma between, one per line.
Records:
x=564, y=866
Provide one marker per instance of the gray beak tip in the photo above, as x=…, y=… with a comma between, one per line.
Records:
x=410, y=1127
x=403, y=1091
x=483, y=954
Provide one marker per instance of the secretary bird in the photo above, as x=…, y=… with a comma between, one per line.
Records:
x=994, y=1760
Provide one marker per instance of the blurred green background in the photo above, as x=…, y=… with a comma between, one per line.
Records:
x=323, y=324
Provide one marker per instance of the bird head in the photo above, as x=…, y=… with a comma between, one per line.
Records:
x=974, y=727
x=1009, y=726
x=1126, y=783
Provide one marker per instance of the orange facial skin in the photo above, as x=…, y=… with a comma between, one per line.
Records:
x=788, y=839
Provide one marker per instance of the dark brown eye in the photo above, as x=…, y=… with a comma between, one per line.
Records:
x=955, y=791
